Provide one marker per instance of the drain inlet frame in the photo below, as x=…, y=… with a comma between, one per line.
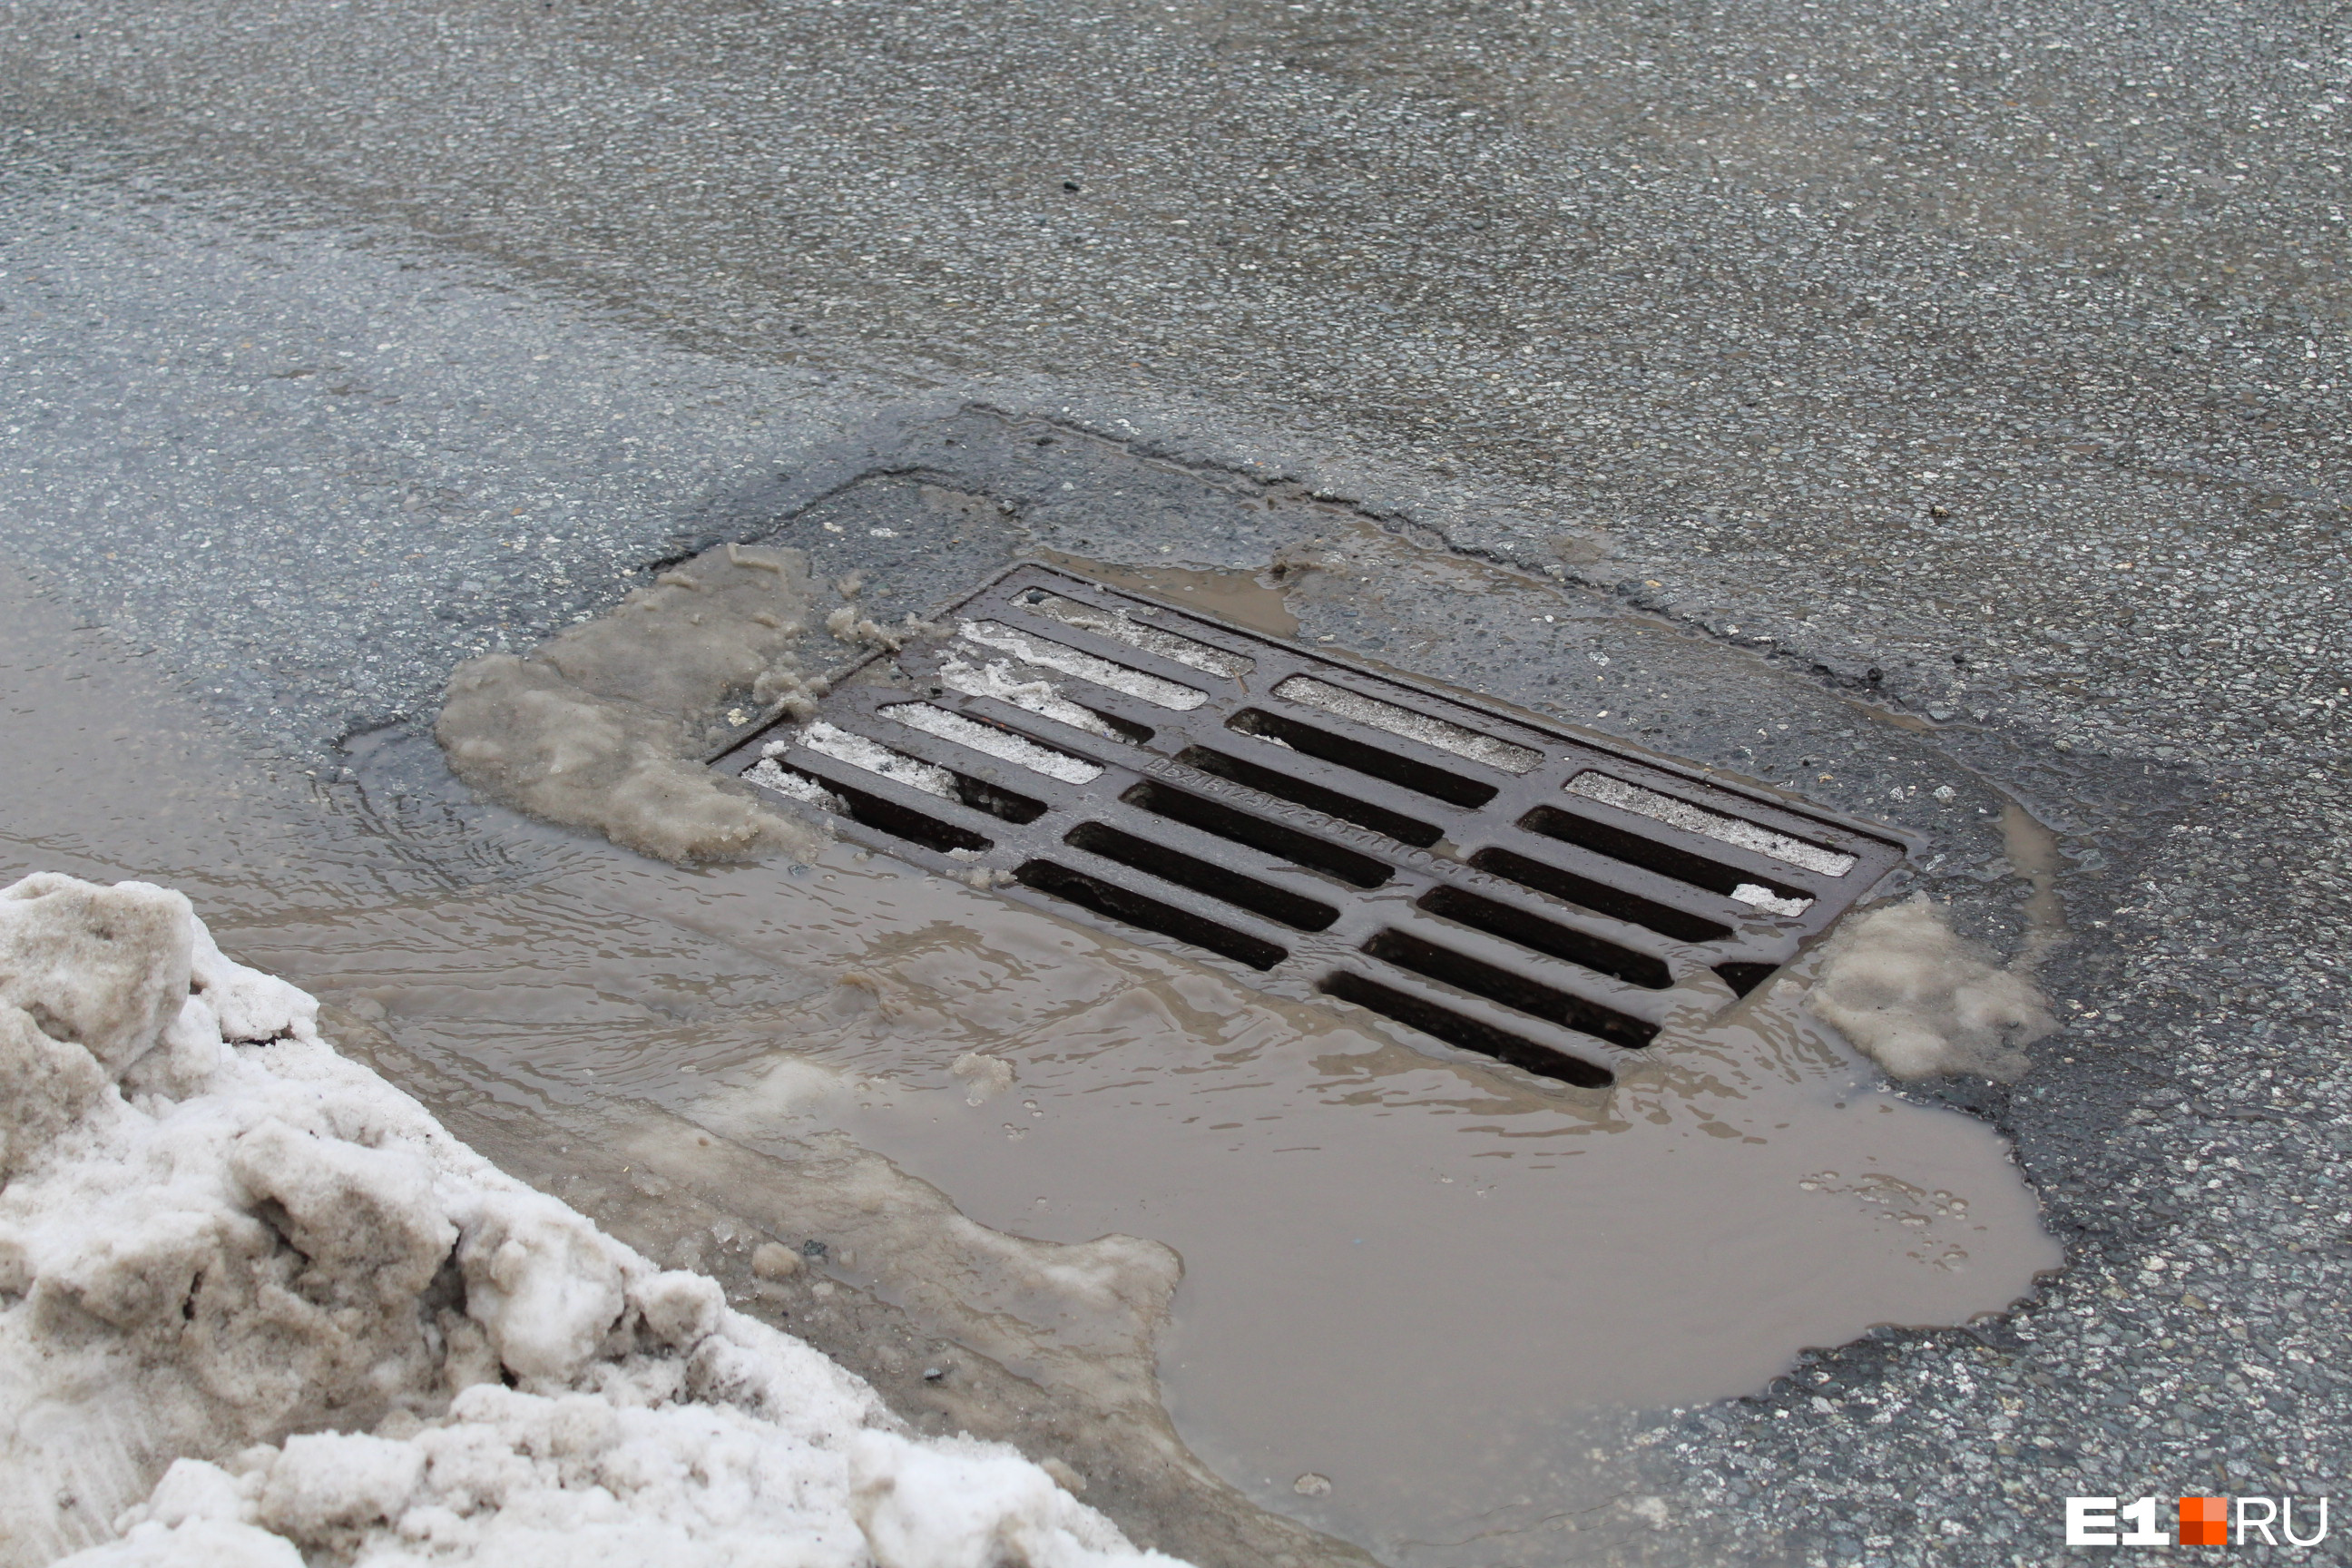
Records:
x=1703, y=900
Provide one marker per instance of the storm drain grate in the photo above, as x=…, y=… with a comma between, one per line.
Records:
x=1505, y=887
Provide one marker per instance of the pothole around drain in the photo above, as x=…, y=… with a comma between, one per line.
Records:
x=1507, y=888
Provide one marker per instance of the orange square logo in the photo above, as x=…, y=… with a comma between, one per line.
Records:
x=2204, y=1521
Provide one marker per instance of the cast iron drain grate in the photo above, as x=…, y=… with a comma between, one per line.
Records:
x=1505, y=887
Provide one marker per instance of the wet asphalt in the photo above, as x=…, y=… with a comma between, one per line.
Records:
x=1978, y=383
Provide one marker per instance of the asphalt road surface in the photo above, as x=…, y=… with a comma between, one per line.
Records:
x=1987, y=369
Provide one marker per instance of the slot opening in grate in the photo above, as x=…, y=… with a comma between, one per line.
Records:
x=1676, y=812
x=1600, y=896
x=1272, y=837
x=1541, y=935
x=1651, y=856
x=1111, y=676
x=1122, y=627
x=1134, y=909
x=899, y=821
x=1516, y=992
x=1459, y=1029
x=849, y=748
x=981, y=795
x=1313, y=797
x=1410, y=723
x=1745, y=978
x=1406, y=773
x=1127, y=730
x=1293, y=909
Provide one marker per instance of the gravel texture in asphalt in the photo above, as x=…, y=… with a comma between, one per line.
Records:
x=1976, y=383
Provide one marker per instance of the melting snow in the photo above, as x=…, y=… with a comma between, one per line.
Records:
x=768, y=772
x=215, y=1231
x=1759, y=895
x=995, y=678
x=1151, y=639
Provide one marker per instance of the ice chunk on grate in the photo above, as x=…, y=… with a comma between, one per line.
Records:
x=1308, y=692
x=1047, y=655
x=1724, y=829
x=842, y=746
x=995, y=742
x=1771, y=903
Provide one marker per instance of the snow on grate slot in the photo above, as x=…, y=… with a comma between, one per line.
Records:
x=1158, y=691
x=1487, y=882
x=1659, y=807
x=997, y=742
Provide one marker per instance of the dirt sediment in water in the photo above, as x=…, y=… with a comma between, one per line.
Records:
x=604, y=726
x=1245, y=597
x=1425, y=1232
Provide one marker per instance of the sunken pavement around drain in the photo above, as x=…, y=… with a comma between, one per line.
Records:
x=1980, y=369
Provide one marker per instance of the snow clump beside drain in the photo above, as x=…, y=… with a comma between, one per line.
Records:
x=257, y=1307
x=1921, y=1000
x=603, y=725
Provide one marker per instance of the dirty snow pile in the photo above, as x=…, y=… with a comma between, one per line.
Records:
x=256, y=1307
x=1920, y=999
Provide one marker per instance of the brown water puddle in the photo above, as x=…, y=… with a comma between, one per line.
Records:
x=1243, y=598
x=1407, y=1274
x=1403, y=1274
x=2033, y=852
x=107, y=770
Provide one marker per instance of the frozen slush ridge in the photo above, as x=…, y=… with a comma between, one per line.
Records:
x=1712, y=825
x=1309, y=693
x=257, y=1308
x=603, y=726
x=1921, y=1000
x=994, y=742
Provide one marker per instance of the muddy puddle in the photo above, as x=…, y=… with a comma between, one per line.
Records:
x=1403, y=1276
x=1405, y=1280
x=1246, y=598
